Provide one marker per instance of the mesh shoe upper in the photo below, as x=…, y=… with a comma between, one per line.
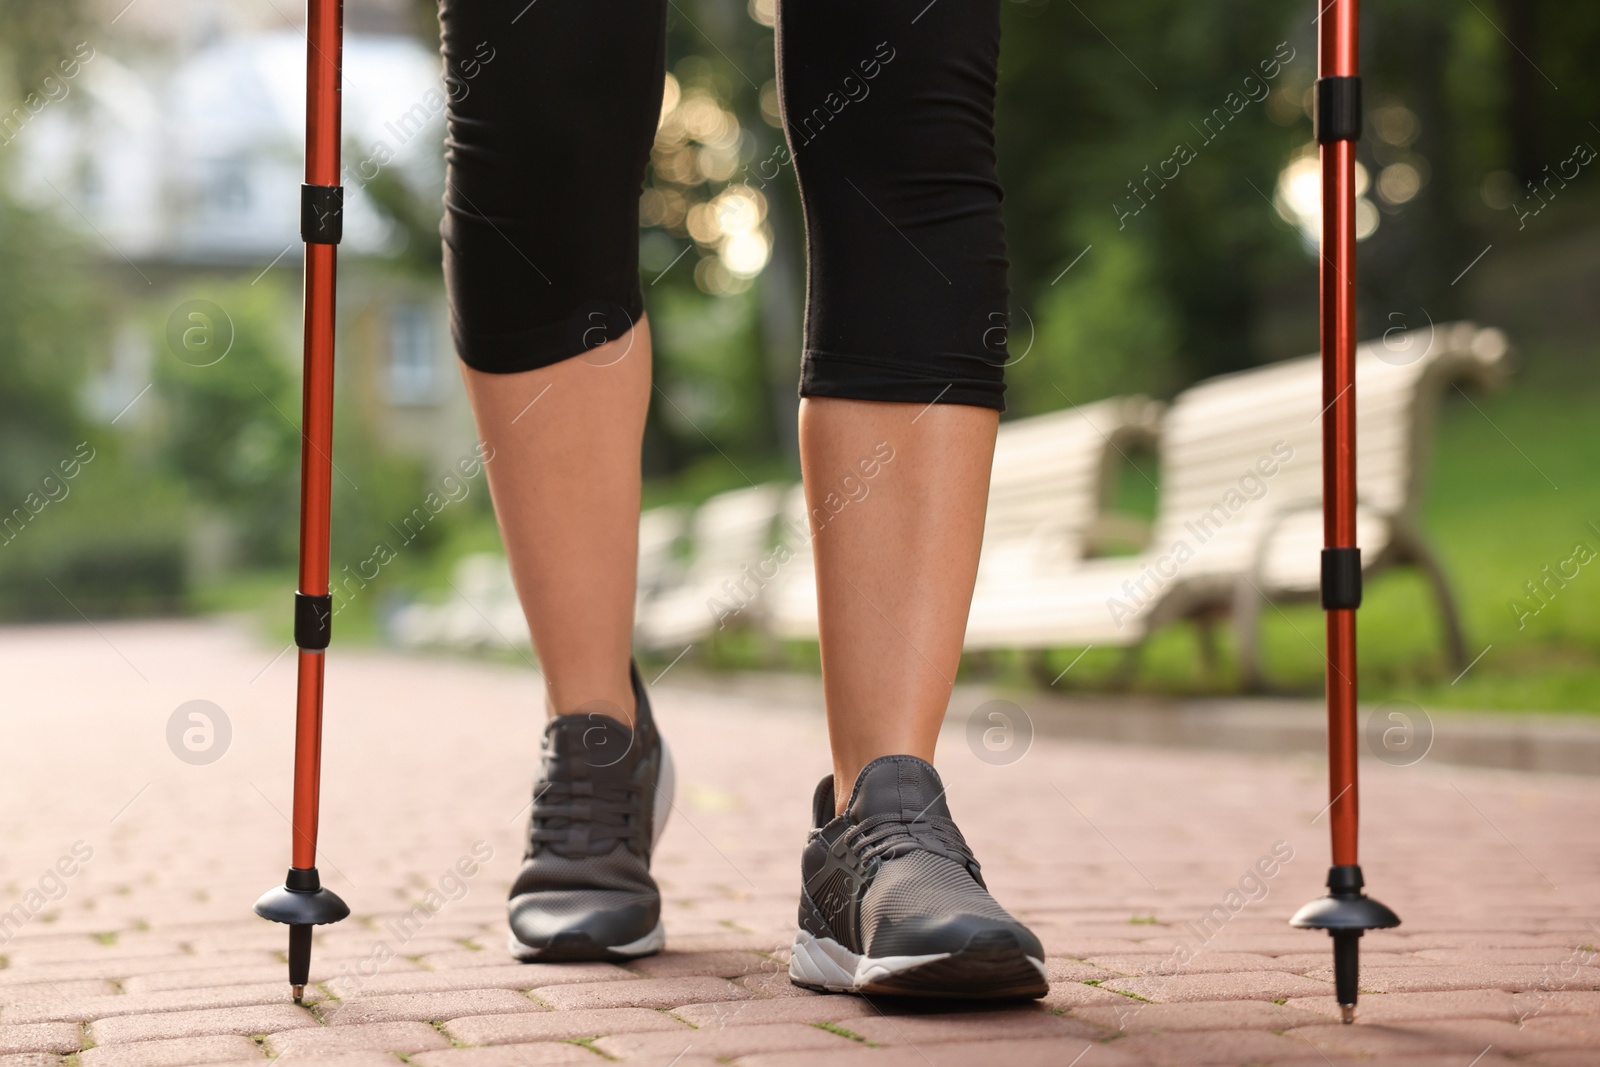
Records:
x=586, y=871
x=892, y=875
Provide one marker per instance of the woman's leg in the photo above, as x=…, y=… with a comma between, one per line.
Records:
x=552, y=114
x=890, y=116
x=894, y=574
x=567, y=501
x=551, y=120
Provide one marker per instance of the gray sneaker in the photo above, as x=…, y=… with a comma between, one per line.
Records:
x=602, y=798
x=892, y=900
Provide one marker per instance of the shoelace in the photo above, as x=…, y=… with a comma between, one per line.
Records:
x=891, y=833
x=576, y=814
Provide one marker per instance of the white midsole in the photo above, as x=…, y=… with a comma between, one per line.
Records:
x=647, y=945
x=822, y=961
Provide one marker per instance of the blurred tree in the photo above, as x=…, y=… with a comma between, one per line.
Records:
x=1547, y=67
x=1138, y=137
x=34, y=37
x=1197, y=275
x=46, y=330
x=232, y=426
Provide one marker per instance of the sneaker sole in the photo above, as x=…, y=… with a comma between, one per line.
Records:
x=581, y=948
x=992, y=966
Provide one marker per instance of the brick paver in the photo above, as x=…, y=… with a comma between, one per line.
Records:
x=106, y=1006
x=783, y=1010
x=1140, y=868
x=726, y=1043
x=423, y=1007
x=536, y=1054
x=648, y=993
x=560, y=1025
x=263, y=1019
x=376, y=1037
x=220, y=1048
x=39, y=1037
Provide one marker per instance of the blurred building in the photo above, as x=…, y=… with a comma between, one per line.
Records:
x=176, y=149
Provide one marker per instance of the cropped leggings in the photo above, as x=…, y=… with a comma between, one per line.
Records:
x=888, y=109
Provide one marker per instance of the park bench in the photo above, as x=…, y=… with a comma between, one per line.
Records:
x=1238, y=519
x=791, y=610
x=1049, y=501
x=661, y=531
x=730, y=540
x=481, y=610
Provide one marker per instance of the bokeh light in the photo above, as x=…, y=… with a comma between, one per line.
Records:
x=1299, y=197
x=699, y=142
x=1398, y=183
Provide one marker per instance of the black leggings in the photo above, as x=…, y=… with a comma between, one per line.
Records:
x=889, y=114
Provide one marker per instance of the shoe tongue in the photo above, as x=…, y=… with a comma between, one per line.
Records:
x=589, y=739
x=902, y=784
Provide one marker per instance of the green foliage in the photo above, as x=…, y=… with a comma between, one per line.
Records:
x=1091, y=133
x=46, y=329
x=712, y=386
x=1102, y=330
x=384, y=506
x=34, y=37
x=82, y=532
x=114, y=544
x=232, y=426
x=232, y=434
x=1091, y=97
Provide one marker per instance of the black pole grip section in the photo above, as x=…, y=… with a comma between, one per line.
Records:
x=1338, y=116
x=313, y=620
x=1341, y=578
x=321, y=214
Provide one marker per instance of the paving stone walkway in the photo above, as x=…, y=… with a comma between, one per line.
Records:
x=1159, y=880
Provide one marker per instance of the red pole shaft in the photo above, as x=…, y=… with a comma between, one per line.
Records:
x=307, y=758
x=324, y=19
x=1337, y=58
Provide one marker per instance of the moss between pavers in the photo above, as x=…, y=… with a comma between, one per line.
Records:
x=589, y=1043
x=835, y=1028
x=438, y=1024
x=1121, y=993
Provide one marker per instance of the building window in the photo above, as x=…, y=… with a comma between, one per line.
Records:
x=412, y=374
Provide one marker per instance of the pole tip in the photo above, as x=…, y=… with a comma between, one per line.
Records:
x=299, y=992
x=1347, y=1012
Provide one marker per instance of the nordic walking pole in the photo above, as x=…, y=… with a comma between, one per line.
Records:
x=1345, y=912
x=301, y=902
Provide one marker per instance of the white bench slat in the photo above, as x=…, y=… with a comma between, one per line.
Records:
x=731, y=532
